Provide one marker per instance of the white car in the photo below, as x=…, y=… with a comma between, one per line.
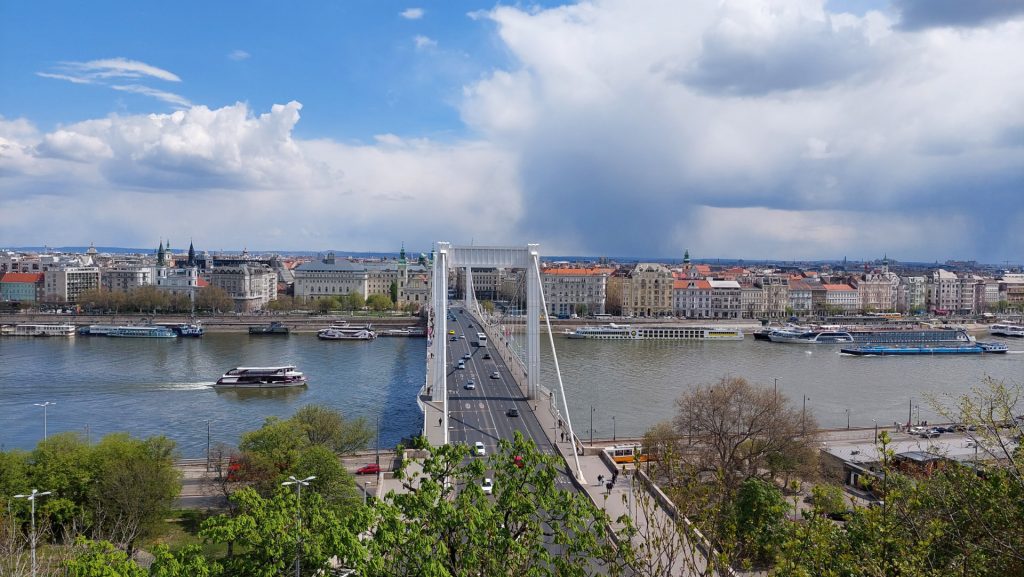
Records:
x=478, y=449
x=470, y=385
x=495, y=375
x=488, y=487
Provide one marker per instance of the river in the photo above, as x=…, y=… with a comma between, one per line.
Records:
x=157, y=386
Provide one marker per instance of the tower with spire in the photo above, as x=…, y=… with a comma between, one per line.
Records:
x=191, y=254
x=161, y=255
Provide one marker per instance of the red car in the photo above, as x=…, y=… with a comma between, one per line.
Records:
x=371, y=469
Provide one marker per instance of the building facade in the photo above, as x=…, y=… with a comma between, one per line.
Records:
x=66, y=284
x=647, y=291
x=251, y=287
x=568, y=291
x=22, y=286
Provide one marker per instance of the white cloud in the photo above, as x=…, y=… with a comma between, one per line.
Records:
x=760, y=129
x=168, y=97
x=237, y=55
x=423, y=42
x=110, y=71
x=411, y=13
x=232, y=166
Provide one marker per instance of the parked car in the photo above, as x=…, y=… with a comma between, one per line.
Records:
x=488, y=486
x=371, y=469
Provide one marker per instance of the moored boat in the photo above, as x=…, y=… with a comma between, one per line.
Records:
x=274, y=328
x=1004, y=329
x=143, y=332
x=39, y=330
x=262, y=378
x=346, y=333
x=937, y=349
x=811, y=337
x=656, y=332
x=185, y=329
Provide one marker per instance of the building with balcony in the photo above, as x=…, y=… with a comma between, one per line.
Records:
x=569, y=291
x=66, y=284
x=647, y=291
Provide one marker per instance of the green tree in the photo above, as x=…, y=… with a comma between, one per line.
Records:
x=760, y=514
x=380, y=303
x=393, y=291
x=354, y=301
x=443, y=524
x=214, y=299
x=327, y=427
x=270, y=535
x=135, y=484
x=148, y=299
x=828, y=499
x=101, y=559
x=186, y=562
x=325, y=304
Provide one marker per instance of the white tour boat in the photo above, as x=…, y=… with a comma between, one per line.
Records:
x=29, y=330
x=657, y=332
x=262, y=378
x=1005, y=329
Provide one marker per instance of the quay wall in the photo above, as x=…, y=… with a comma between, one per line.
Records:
x=216, y=323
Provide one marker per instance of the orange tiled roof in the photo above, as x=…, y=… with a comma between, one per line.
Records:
x=697, y=284
x=201, y=283
x=579, y=271
x=32, y=277
x=838, y=287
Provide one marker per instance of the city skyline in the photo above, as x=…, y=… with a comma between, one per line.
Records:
x=765, y=129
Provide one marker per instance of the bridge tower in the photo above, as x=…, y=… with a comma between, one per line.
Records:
x=467, y=257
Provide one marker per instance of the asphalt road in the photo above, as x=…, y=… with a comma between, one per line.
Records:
x=481, y=414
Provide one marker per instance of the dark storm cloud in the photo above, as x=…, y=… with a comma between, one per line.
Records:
x=922, y=14
x=749, y=66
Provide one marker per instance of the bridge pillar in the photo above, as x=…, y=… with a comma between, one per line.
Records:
x=533, y=305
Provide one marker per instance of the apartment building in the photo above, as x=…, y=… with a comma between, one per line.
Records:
x=66, y=284
x=647, y=291
x=568, y=290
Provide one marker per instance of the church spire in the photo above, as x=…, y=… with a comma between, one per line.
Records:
x=401, y=255
x=161, y=255
x=686, y=257
x=191, y=254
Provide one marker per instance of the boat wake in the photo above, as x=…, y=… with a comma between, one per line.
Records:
x=185, y=386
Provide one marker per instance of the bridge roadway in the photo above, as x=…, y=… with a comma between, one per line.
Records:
x=482, y=413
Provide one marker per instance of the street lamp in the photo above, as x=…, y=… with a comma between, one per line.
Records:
x=32, y=497
x=875, y=422
x=613, y=428
x=847, y=419
x=299, y=483
x=377, y=445
x=591, y=425
x=44, y=405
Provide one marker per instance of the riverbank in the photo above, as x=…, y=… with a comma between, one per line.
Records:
x=228, y=323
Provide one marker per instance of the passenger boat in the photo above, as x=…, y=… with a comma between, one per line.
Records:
x=346, y=333
x=404, y=332
x=262, y=378
x=937, y=349
x=656, y=332
x=185, y=329
x=274, y=328
x=1006, y=330
x=877, y=336
x=30, y=330
x=811, y=337
x=143, y=332
x=97, y=330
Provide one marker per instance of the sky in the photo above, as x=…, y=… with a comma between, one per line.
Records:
x=758, y=129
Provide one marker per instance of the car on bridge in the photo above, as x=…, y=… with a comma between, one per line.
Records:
x=467, y=356
x=470, y=385
x=512, y=412
x=495, y=375
x=451, y=332
x=487, y=356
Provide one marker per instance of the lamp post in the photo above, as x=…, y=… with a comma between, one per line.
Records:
x=44, y=405
x=875, y=422
x=776, y=388
x=847, y=419
x=377, y=445
x=591, y=425
x=299, y=483
x=207, y=445
x=613, y=428
x=32, y=498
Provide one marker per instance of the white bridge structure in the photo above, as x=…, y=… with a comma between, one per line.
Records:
x=525, y=258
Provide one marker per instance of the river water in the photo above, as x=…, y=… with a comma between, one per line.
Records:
x=162, y=386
